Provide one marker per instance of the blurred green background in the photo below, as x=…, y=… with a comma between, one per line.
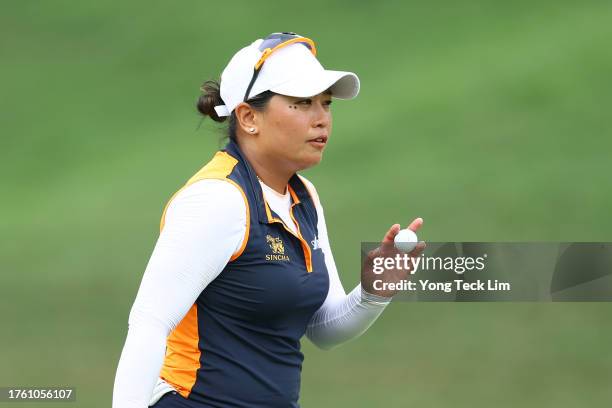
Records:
x=489, y=119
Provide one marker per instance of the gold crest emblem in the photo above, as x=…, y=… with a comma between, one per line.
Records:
x=276, y=245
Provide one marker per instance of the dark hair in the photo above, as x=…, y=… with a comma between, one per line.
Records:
x=211, y=97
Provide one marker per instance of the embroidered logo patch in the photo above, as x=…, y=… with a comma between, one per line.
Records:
x=278, y=249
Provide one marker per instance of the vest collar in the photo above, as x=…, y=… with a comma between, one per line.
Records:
x=297, y=189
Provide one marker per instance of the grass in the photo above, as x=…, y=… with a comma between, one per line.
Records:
x=489, y=120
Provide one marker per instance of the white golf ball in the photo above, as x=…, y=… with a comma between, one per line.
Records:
x=406, y=240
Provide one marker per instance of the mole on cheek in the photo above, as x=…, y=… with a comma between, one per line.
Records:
x=292, y=107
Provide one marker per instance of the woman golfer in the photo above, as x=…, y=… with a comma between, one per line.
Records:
x=243, y=268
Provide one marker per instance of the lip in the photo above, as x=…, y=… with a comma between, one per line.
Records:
x=314, y=140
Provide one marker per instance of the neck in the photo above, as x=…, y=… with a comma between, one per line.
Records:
x=267, y=169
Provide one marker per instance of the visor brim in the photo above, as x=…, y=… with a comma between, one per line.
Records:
x=343, y=85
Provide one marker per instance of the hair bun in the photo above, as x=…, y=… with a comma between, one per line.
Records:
x=210, y=98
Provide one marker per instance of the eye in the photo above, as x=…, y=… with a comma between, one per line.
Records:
x=304, y=102
x=328, y=102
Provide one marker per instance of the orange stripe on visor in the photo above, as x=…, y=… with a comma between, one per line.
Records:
x=268, y=51
x=274, y=42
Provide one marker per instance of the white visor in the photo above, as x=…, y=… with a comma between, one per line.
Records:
x=292, y=70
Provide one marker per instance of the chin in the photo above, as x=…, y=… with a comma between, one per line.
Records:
x=310, y=161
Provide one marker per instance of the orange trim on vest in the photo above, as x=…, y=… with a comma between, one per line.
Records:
x=305, y=246
x=314, y=197
x=219, y=167
x=248, y=222
x=294, y=196
x=183, y=354
x=182, y=359
x=162, y=222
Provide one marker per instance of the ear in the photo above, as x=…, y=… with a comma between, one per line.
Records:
x=246, y=118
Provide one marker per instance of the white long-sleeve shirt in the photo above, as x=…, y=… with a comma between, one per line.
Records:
x=211, y=214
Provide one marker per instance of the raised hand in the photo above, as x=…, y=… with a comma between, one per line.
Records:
x=387, y=249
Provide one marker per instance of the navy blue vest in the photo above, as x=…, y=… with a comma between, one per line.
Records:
x=251, y=317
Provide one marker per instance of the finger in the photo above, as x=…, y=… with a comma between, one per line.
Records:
x=416, y=224
x=390, y=235
x=418, y=250
x=373, y=253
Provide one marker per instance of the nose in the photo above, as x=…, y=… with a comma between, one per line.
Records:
x=322, y=115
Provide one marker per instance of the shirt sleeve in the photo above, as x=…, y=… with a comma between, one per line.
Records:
x=205, y=224
x=342, y=317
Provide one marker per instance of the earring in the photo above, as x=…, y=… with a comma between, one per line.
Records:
x=252, y=130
